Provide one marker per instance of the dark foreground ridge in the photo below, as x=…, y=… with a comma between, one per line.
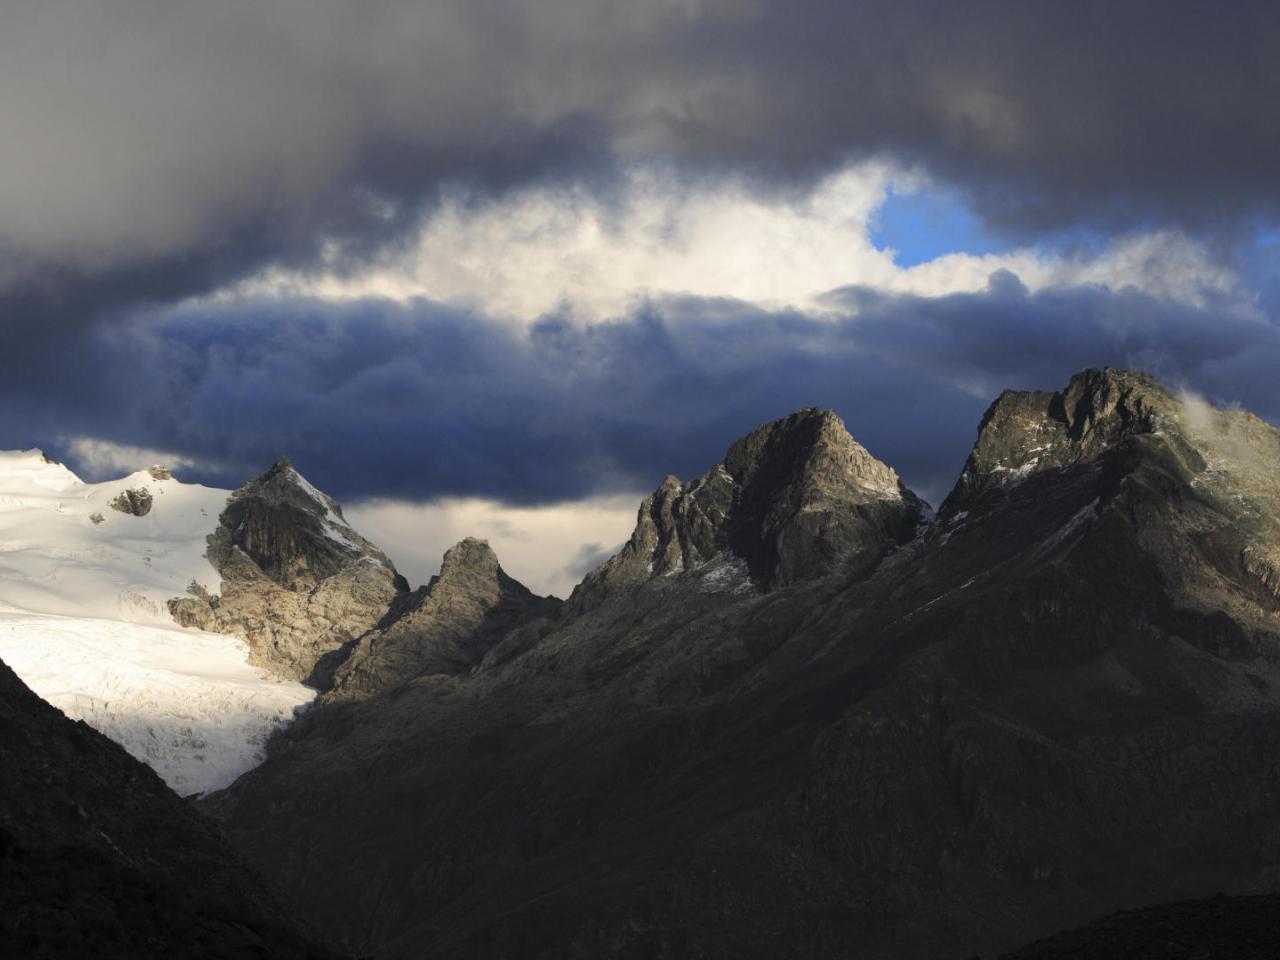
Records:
x=1220, y=928
x=795, y=718
x=98, y=858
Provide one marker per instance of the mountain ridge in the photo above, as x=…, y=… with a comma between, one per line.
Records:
x=792, y=714
x=968, y=742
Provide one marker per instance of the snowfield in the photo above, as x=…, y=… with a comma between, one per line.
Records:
x=84, y=621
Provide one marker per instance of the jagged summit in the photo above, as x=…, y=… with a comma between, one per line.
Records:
x=813, y=450
x=299, y=583
x=1027, y=432
x=470, y=555
x=283, y=483
x=793, y=499
x=295, y=532
x=445, y=627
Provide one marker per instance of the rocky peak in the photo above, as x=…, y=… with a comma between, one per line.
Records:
x=472, y=559
x=298, y=582
x=1027, y=432
x=794, y=499
x=295, y=533
x=284, y=484
x=809, y=455
x=445, y=627
x=1100, y=407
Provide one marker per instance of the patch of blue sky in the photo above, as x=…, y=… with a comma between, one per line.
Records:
x=927, y=224
x=923, y=225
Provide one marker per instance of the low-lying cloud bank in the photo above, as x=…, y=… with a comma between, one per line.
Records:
x=418, y=401
x=547, y=548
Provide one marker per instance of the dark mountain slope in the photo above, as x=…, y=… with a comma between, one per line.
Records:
x=98, y=858
x=1061, y=699
x=1220, y=928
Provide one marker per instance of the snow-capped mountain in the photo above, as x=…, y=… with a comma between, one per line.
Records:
x=86, y=573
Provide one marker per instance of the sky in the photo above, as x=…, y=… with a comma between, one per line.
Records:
x=497, y=268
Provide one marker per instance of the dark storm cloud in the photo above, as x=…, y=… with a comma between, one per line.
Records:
x=222, y=135
x=374, y=399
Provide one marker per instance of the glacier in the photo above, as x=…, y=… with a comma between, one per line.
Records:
x=84, y=621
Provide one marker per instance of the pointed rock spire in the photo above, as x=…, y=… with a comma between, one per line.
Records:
x=298, y=582
x=295, y=533
x=445, y=627
x=795, y=498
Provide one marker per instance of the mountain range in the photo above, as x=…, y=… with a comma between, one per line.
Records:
x=797, y=714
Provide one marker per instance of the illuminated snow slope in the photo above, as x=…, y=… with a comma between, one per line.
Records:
x=84, y=621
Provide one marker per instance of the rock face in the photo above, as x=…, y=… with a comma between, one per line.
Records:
x=136, y=503
x=99, y=859
x=1030, y=432
x=795, y=499
x=298, y=583
x=781, y=723
x=444, y=628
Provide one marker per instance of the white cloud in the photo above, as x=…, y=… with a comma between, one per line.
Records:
x=543, y=547
x=549, y=248
x=101, y=458
x=1163, y=264
x=540, y=248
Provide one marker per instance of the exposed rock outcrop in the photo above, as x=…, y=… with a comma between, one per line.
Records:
x=298, y=583
x=1028, y=432
x=136, y=502
x=445, y=627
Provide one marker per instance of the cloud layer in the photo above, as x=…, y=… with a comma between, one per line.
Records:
x=595, y=253
x=224, y=136
x=375, y=398
x=548, y=548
